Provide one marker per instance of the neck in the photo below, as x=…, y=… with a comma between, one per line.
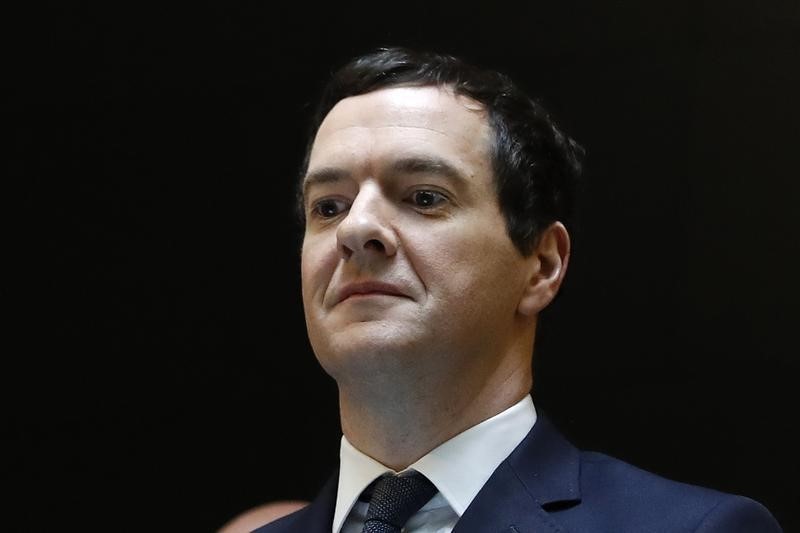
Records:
x=398, y=418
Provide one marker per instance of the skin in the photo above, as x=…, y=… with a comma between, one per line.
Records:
x=258, y=516
x=400, y=191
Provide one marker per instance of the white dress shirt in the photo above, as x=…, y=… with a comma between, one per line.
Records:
x=459, y=468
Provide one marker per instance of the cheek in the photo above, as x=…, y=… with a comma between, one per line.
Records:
x=317, y=263
x=448, y=263
x=474, y=265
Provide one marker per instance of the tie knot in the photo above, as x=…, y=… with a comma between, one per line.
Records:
x=395, y=498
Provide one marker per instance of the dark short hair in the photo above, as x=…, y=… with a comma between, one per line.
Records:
x=536, y=165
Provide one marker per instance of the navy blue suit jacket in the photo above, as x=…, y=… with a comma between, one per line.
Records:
x=547, y=485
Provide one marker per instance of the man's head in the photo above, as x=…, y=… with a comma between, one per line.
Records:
x=432, y=203
x=536, y=166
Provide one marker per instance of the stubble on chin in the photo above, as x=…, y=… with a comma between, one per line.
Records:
x=367, y=350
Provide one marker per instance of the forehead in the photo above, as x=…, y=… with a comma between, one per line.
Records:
x=399, y=119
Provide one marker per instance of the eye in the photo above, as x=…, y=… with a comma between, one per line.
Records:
x=427, y=198
x=328, y=207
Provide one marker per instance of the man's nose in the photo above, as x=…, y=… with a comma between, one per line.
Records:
x=367, y=228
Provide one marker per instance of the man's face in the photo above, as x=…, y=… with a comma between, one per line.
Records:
x=406, y=261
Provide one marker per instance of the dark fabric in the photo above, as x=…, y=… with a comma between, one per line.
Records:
x=395, y=498
x=548, y=486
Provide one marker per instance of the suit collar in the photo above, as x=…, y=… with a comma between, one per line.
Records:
x=458, y=467
x=541, y=474
x=548, y=465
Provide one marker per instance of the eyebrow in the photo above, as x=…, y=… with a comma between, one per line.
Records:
x=414, y=164
x=323, y=175
x=427, y=164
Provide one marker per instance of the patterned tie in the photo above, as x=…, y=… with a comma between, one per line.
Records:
x=395, y=498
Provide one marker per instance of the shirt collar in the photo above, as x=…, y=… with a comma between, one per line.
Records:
x=458, y=467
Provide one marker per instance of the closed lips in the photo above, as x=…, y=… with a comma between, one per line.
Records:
x=370, y=287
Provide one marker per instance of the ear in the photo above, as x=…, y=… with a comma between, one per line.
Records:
x=548, y=265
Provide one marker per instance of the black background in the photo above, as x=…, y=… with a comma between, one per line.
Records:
x=156, y=373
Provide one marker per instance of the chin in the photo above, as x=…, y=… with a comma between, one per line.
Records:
x=364, y=345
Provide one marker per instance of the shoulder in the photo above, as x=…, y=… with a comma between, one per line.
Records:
x=286, y=524
x=592, y=492
x=315, y=517
x=629, y=495
x=263, y=514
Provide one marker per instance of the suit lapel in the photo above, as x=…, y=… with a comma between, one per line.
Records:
x=540, y=474
x=504, y=506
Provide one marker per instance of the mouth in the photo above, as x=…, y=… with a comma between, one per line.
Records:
x=368, y=288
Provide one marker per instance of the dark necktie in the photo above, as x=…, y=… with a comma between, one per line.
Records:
x=395, y=498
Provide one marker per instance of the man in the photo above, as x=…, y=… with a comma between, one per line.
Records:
x=437, y=200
